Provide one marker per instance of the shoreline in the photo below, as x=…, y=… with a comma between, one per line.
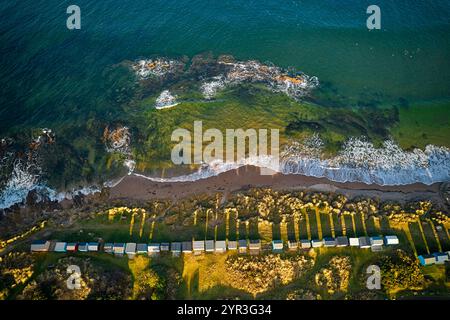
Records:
x=138, y=188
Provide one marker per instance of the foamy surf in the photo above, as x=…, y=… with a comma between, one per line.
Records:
x=358, y=161
x=24, y=178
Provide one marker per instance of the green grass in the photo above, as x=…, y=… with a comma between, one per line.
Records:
x=253, y=230
x=242, y=230
x=221, y=231
x=436, y=272
x=359, y=225
x=429, y=235
x=349, y=226
x=276, y=231
x=203, y=286
x=337, y=224
x=313, y=224
x=232, y=228
x=385, y=227
x=417, y=238
x=303, y=233
x=291, y=228
x=445, y=241
x=326, y=226
x=118, y=230
x=423, y=124
x=371, y=228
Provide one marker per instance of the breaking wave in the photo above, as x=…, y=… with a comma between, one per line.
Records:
x=24, y=178
x=358, y=161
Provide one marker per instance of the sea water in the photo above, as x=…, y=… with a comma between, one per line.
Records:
x=54, y=77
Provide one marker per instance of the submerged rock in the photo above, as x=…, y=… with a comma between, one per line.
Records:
x=117, y=140
x=158, y=67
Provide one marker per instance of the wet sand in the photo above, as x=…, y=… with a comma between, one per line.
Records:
x=142, y=189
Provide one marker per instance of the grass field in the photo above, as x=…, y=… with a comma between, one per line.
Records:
x=208, y=225
x=350, y=231
x=303, y=229
x=202, y=276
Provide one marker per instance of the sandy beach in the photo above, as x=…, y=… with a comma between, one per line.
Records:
x=141, y=189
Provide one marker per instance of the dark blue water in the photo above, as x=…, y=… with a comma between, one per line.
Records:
x=52, y=76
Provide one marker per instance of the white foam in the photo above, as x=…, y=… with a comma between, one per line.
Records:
x=165, y=100
x=76, y=191
x=212, y=87
x=22, y=180
x=358, y=161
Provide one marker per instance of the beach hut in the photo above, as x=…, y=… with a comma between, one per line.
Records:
x=130, y=249
x=292, y=245
x=440, y=257
x=305, y=244
x=198, y=246
x=391, y=240
x=119, y=248
x=108, y=247
x=329, y=242
x=254, y=246
x=60, y=247
x=376, y=241
x=316, y=243
x=83, y=247
x=242, y=246
x=364, y=242
x=165, y=246
x=232, y=245
x=175, y=248
x=153, y=248
x=342, y=241
x=72, y=247
x=209, y=245
x=93, y=246
x=39, y=246
x=354, y=242
x=427, y=259
x=277, y=245
x=221, y=246
x=142, y=248
x=186, y=246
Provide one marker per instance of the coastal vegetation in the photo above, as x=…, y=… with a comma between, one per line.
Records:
x=401, y=272
x=257, y=274
x=97, y=281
